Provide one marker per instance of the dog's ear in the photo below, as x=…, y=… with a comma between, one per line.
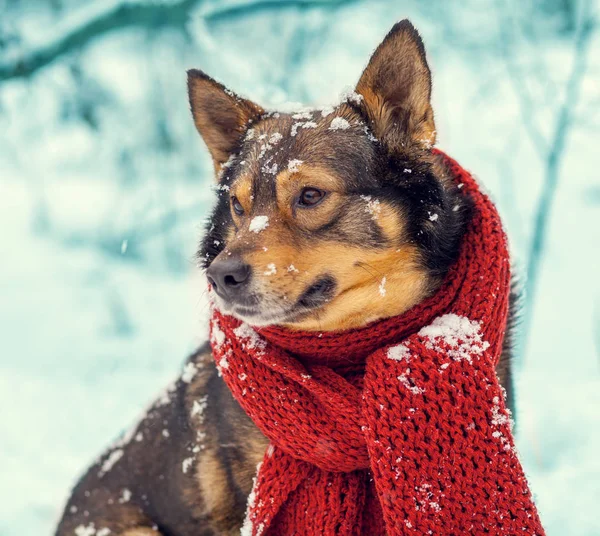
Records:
x=396, y=90
x=221, y=116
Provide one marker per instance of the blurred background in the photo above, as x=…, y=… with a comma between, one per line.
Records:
x=104, y=185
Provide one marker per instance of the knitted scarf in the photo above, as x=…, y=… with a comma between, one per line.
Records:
x=397, y=428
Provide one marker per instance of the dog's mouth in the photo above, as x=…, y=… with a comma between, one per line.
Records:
x=266, y=310
x=319, y=293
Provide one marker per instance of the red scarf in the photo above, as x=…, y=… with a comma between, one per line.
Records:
x=397, y=428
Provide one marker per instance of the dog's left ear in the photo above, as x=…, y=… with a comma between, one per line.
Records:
x=221, y=116
x=396, y=90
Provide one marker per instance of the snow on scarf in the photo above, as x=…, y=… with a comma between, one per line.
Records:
x=397, y=428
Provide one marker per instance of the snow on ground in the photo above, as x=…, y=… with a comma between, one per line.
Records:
x=93, y=329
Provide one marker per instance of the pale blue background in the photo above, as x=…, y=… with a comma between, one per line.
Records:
x=97, y=147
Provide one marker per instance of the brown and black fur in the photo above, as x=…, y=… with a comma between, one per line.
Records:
x=388, y=209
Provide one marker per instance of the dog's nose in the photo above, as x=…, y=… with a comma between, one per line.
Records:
x=228, y=276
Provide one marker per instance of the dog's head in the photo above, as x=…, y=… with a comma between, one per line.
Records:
x=329, y=218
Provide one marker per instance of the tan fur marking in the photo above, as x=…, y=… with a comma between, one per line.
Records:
x=141, y=532
x=242, y=189
x=359, y=272
x=391, y=222
x=361, y=302
x=212, y=478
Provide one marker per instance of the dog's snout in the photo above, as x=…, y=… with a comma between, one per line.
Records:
x=228, y=276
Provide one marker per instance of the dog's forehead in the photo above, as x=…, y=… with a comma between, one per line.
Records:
x=336, y=140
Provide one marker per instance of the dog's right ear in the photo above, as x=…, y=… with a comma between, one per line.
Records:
x=221, y=116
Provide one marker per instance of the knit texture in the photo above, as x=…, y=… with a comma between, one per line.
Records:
x=397, y=428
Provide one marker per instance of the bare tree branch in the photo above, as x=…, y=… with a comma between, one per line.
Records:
x=149, y=15
x=550, y=151
x=543, y=211
x=517, y=79
x=243, y=10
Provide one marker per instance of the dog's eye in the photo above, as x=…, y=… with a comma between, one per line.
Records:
x=309, y=197
x=237, y=206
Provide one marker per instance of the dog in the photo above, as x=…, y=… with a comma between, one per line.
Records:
x=318, y=212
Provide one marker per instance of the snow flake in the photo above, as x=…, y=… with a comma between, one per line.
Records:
x=351, y=96
x=259, y=223
x=198, y=407
x=339, y=123
x=223, y=363
x=125, y=496
x=187, y=464
x=271, y=169
x=499, y=418
x=433, y=217
x=82, y=530
x=295, y=127
x=302, y=124
x=250, y=134
x=189, y=371
x=326, y=110
x=293, y=165
x=456, y=336
x=292, y=268
x=303, y=115
x=110, y=461
x=373, y=206
x=124, y=246
x=369, y=134
x=382, y=289
x=217, y=337
x=249, y=338
x=404, y=380
x=428, y=142
x=275, y=138
x=166, y=433
x=225, y=166
x=407, y=170
x=229, y=162
x=271, y=269
x=398, y=353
